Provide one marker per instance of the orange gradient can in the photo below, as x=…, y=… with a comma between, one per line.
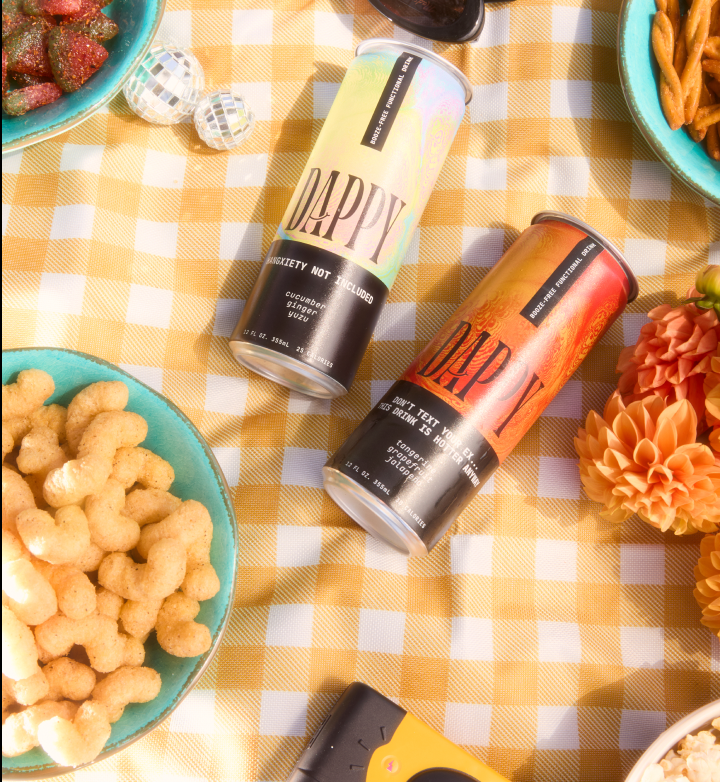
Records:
x=456, y=413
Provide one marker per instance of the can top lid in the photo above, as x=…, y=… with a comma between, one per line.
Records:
x=378, y=44
x=541, y=217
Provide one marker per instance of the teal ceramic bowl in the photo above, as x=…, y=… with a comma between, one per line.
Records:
x=197, y=476
x=138, y=21
x=639, y=74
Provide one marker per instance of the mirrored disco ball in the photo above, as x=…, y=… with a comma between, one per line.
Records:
x=166, y=86
x=223, y=119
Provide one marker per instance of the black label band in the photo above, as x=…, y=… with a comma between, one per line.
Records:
x=314, y=306
x=390, y=101
x=420, y=457
x=561, y=280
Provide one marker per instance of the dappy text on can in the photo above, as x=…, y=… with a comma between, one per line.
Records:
x=328, y=272
x=440, y=432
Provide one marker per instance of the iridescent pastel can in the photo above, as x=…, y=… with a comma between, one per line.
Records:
x=440, y=432
x=328, y=272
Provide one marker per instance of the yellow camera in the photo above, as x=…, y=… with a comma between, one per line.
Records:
x=368, y=738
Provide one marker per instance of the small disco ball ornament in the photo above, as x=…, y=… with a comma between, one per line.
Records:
x=166, y=86
x=223, y=119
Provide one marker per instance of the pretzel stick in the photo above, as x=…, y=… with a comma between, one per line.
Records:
x=713, y=143
x=711, y=66
x=712, y=47
x=708, y=115
x=671, y=96
x=706, y=99
x=672, y=9
x=696, y=34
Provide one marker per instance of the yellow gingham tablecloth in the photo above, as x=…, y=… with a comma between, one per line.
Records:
x=547, y=642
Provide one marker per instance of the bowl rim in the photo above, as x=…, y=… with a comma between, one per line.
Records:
x=671, y=737
x=57, y=770
x=640, y=121
x=34, y=137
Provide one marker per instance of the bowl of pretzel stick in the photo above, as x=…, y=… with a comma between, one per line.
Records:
x=669, y=63
x=119, y=545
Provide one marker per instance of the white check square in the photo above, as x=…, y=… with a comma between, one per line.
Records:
x=571, y=25
x=559, y=642
x=396, y=322
x=324, y=93
x=164, y=170
x=151, y=376
x=283, y=713
x=468, y=723
x=642, y=647
x=247, y=170
x=486, y=174
x=226, y=394
x=301, y=404
x=298, y=546
x=82, y=157
x=61, y=293
x=496, y=31
x=651, y=180
x=571, y=98
x=290, y=625
x=568, y=176
x=258, y=94
x=252, y=27
x=489, y=102
x=241, y=241
x=156, y=238
x=229, y=461
x=378, y=389
x=195, y=714
x=74, y=221
x=646, y=257
x=632, y=323
x=642, y=563
x=334, y=29
x=303, y=467
x=471, y=554
x=482, y=246
x=559, y=477
x=149, y=306
x=381, y=631
x=472, y=638
x=638, y=729
x=11, y=162
x=567, y=403
x=556, y=560
x=176, y=26
x=557, y=727
x=380, y=556
x=227, y=314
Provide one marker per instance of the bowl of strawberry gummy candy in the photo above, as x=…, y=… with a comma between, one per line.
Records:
x=119, y=546
x=64, y=59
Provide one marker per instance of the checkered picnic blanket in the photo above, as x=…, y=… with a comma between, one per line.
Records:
x=545, y=641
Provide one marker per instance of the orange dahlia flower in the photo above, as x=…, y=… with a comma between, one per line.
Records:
x=711, y=389
x=671, y=356
x=642, y=458
x=707, y=575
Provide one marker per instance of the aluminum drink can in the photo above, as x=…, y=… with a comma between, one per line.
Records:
x=425, y=450
x=328, y=272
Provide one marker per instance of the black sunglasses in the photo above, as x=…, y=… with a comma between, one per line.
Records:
x=452, y=21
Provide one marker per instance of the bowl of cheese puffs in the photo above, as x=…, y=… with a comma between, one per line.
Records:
x=119, y=560
x=669, y=63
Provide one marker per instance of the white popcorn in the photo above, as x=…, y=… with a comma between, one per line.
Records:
x=696, y=760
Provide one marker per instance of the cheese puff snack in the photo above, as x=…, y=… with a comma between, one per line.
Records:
x=102, y=397
x=8, y=442
x=138, y=465
x=109, y=603
x=77, y=742
x=71, y=483
x=29, y=594
x=40, y=451
x=69, y=680
x=57, y=540
x=159, y=577
x=99, y=635
x=27, y=691
x=16, y=497
x=108, y=528
x=19, y=653
x=20, y=731
x=12, y=547
x=139, y=617
x=192, y=526
x=75, y=592
x=50, y=417
x=177, y=633
x=109, y=431
x=148, y=506
x=126, y=685
x=26, y=394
